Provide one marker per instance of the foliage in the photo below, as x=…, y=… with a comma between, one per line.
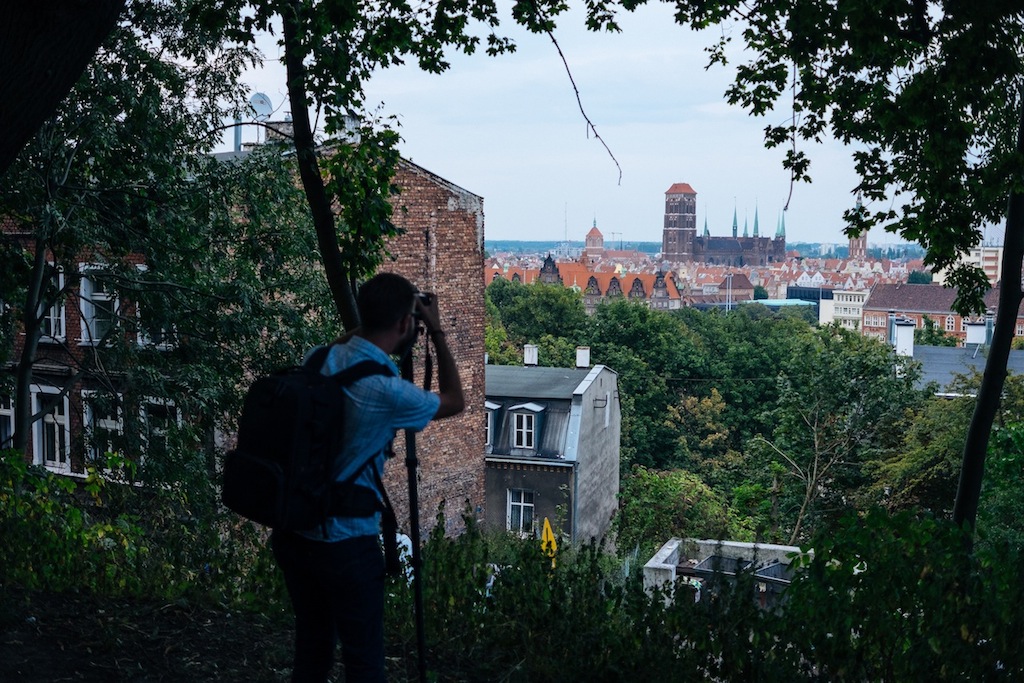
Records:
x=918, y=277
x=760, y=293
x=107, y=538
x=1000, y=518
x=931, y=335
x=528, y=312
x=658, y=505
x=890, y=598
x=840, y=403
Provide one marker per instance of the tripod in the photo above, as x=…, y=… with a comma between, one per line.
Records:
x=411, y=465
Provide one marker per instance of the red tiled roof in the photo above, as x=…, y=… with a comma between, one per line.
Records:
x=680, y=188
x=594, y=232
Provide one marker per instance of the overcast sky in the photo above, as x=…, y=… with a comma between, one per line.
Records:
x=509, y=129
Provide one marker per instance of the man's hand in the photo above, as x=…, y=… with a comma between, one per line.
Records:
x=429, y=313
x=449, y=386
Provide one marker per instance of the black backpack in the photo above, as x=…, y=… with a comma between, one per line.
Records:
x=290, y=443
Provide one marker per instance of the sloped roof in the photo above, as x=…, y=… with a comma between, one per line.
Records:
x=516, y=381
x=680, y=188
x=907, y=297
x=940, y=364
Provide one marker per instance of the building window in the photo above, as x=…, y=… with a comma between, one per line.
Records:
x=102, y=423
x=950, y=323
x=963, y=324
x=490, y=410
x=52, y=316
x=6, y=422
x=99, y=307
x=51, y=442
x=1020, y=330
x=524, y=430
x=520, y=511
x=159, y=419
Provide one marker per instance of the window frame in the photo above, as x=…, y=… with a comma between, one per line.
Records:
x=55, y=314
x=148, y=429
x=61, y=462
x=89, y=298
x=89, y=426
x=518, y=508
x=524, y=436
x=6, y=417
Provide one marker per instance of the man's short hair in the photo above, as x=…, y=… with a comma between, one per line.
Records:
x=383, y=300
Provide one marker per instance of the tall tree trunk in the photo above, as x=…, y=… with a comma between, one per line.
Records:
x=309, y=171
x=32, y=326
x=44, y=47
x=968, y=494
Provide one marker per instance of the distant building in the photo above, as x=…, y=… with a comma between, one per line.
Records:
x=916, y=302
x=681, y=244
x=988, y=258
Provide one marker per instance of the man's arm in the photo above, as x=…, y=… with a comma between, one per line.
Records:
x=449, y=385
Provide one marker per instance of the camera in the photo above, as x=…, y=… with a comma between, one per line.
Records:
x=424, y=298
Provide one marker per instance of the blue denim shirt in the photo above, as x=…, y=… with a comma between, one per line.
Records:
x=378, y=407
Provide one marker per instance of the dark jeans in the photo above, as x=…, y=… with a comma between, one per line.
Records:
x=337, y=592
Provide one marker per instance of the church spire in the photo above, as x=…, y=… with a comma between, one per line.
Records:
x=781, y=232
x=755, y=220
x=706, y=233
x=735, y=226
x=745, y=233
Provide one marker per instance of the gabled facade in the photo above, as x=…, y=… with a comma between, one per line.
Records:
x=552, y=449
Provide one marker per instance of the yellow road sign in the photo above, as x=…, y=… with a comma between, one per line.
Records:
x=547, y=541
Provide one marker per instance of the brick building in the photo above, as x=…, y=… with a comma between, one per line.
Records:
x=681, y=244
x=442, y=251
x=915, y=302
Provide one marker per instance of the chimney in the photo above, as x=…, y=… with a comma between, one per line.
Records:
x=903, y=341
x=582, y=356
x=530, y=355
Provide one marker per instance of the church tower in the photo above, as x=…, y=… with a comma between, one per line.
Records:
x=859, y=244
x=680, y=227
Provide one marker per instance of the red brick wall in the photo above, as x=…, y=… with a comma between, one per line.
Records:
x=442, y=252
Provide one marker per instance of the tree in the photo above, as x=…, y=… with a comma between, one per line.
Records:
x=931, y=335
x=655, y=506
x=529, y=312
x=202, y=267
x=100, y=180
x=841, y=400
x=760, y=293
x=918, y=277
x=927, y=94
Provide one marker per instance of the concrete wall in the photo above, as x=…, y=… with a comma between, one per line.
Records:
x=441, y=251
x=597, y=482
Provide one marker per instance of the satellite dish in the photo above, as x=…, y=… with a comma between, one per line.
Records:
x=261, y=106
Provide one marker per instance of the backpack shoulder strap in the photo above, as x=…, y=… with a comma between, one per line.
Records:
x=349, y=375
x=362, y=369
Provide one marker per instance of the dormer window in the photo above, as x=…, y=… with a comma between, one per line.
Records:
x=524, y=425
x=524, y=430
x=490, y=407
